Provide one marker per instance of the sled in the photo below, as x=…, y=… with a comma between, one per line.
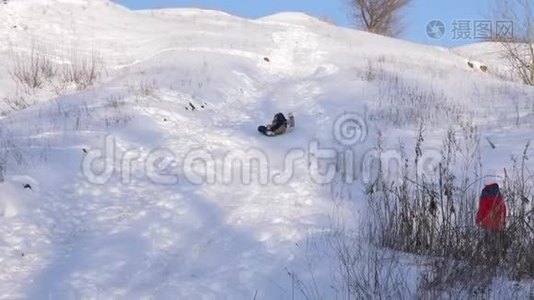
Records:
x=265, y=131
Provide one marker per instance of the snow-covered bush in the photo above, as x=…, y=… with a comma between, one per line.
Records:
x=31, y=70
x=15, y=102
x=402, y=103
x=82, y=70
x=518, y=190
x=374, y=70
x=37, y=69
x=433, y=216
x=144, y=89
x=367, y=272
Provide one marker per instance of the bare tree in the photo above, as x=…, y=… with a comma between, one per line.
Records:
x=379, y=16
x=518, y=44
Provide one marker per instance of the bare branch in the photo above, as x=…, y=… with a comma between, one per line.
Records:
x=519, y=48
x=379, y=16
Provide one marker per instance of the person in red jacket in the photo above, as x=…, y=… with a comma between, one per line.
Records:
x=492, y=210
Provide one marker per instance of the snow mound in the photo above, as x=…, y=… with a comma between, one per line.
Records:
x=187, y=12
x=299, y=18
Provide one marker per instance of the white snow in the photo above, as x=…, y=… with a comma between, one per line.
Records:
x=130, y=232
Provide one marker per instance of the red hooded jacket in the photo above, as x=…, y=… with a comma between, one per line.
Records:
x=492, y=209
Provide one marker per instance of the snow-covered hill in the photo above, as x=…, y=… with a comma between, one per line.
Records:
x=131, y=188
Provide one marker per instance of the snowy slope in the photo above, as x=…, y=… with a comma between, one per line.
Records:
x=130, y=230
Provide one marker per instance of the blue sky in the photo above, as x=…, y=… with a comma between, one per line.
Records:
x=417, y=16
